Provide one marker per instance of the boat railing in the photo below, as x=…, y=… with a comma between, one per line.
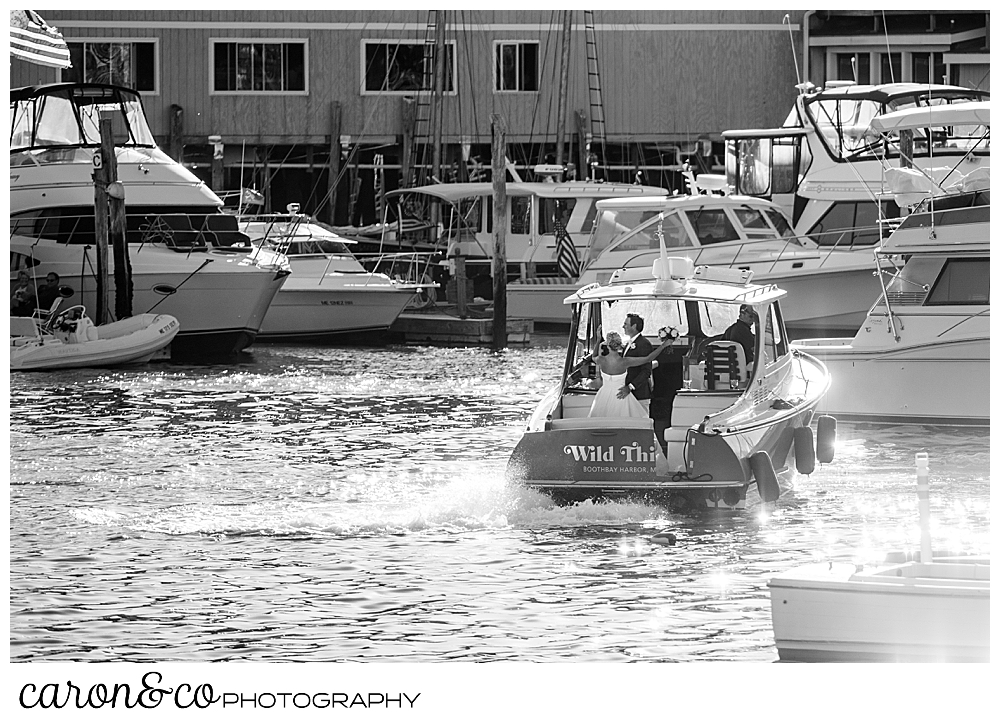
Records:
x=409, y=268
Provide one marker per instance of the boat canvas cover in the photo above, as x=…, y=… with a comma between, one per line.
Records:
x=953, y=114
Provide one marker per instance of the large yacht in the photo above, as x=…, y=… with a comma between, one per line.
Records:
x=828, y=288
x=188, y=260
x=826, y=165
x=923, y=353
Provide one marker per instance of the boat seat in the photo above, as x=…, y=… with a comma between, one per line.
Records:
x=23, y=326
x=603, y=422
x=725, y=366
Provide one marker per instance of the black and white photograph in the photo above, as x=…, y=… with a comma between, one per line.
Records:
x=380, y=339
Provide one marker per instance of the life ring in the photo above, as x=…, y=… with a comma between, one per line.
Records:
x=805, y=450
x=763, y=473
x=826, y=438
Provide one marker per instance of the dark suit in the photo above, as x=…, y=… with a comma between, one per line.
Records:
x=668, y=377
x=638, y=377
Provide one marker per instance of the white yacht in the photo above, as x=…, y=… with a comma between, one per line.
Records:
x=187, y=259
x=923, y=352
x=824, y=165
x=329, y=293
x=827, y=288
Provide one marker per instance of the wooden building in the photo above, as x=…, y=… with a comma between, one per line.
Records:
x=305, y=105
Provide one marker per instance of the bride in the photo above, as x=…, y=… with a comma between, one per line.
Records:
x=608, y=357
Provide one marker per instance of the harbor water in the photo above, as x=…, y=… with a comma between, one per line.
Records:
x=330, y=504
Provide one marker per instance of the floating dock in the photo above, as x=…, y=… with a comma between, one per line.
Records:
x=441, y=324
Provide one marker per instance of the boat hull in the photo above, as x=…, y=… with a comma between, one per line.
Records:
x=130, y=341
x=937, y=612
x=305, y=310
x=618, y=459
x=941, y=383
x=219, y=298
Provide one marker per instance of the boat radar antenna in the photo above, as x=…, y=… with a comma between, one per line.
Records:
x=791, y=41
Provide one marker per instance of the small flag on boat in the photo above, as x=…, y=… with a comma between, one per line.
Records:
x=569, y=263
x=251, y=197
x=33, y=40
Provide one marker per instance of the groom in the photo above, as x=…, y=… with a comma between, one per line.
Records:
x=637, y=378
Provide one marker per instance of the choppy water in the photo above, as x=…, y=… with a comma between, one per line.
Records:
x=331, y=504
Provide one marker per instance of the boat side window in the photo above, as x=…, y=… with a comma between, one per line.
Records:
x=782, y=226
x=712, y=226
x=646, y=236
x=612, y=225
x=851, y=223
x=910, y=285
x=961, y=281
x=520, y=214
x=548, y=207
x=775, y=345
x=753, y=222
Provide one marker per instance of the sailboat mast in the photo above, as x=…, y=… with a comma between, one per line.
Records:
x=563, y=87
x=439, y=75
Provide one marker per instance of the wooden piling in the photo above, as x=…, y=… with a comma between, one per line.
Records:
x=334, y=170
x=499, y=128
x=117, y=236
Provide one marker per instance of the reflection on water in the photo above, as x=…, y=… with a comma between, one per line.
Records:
x=329, y=504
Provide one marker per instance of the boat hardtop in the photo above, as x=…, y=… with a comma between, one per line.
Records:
x=705, y=283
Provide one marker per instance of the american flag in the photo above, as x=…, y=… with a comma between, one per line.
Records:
x=32, y=40
x=569, y=263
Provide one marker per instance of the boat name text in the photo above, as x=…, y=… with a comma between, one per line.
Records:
x=595, y=453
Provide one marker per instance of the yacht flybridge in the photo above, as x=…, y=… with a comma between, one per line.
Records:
x=735, y=417
x=188, y=260
x=825, y=165
x=922, y=354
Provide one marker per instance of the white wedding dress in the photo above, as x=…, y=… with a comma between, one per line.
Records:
x=607, y=403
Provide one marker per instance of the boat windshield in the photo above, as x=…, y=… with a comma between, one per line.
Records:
x=71, y=117
x=613, y=224
x=844, y=124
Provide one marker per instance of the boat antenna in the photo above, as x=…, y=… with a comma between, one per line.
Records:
x=854, y=67
x=892, y=74
x=791, y=41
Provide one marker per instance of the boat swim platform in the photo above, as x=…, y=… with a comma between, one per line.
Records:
x=441, y=324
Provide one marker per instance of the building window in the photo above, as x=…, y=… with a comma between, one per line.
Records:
x=891, y=67
x=845, y=71
x=258, y=67
x=131, y=64
x=516, y=67
x=404, y=67
x=922, y=71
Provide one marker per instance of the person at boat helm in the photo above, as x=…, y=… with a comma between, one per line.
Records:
x=637, y=379
x=49, y=292
x=740, y=331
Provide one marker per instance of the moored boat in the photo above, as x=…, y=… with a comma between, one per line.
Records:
x=69, y=339
x=329, y=294
x=826, y=164
x=911, y=608
x=187, y=259
x=827, y=288
x=922, y=354
x=735, y=417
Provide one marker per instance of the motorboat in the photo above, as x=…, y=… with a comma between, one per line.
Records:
x=329, y=292
x=922, y=354
x=68, y=339
x=923, y=607
x=828, y=288
x=734, y=423
x=824, y=166
x=456, y=219
x=188, y=260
